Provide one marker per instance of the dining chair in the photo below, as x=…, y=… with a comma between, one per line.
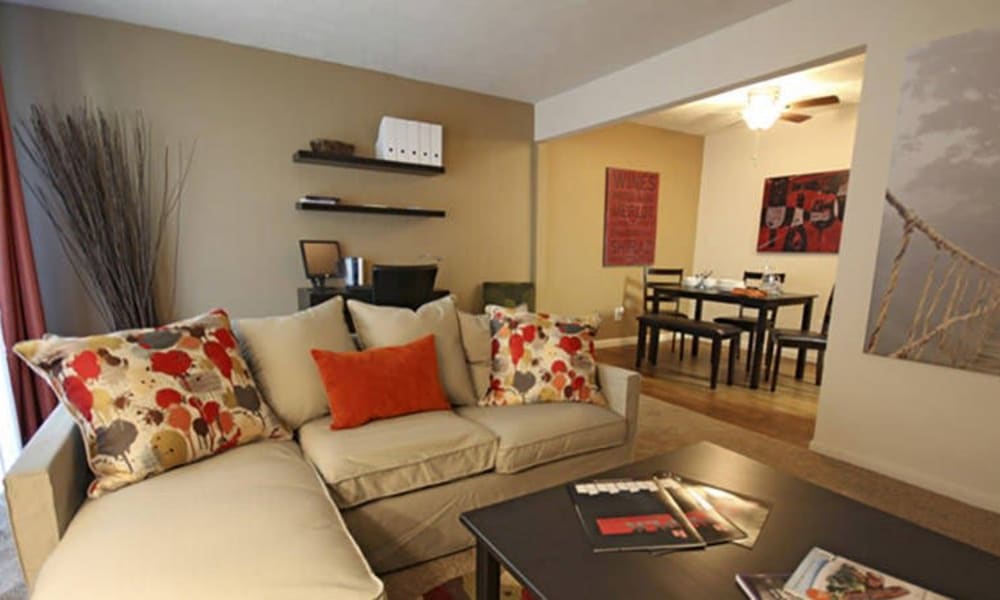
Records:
x=408, y=286
x=651, y=299
x=797, y=338
x=748, y=322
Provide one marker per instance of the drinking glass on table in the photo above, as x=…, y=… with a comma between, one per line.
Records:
x=770, y=282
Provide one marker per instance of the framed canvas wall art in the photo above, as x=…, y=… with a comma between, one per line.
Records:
x=936, y=291
x=630, y=207
x=803, y=213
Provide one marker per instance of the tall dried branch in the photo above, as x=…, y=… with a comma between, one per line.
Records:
x=94, y=181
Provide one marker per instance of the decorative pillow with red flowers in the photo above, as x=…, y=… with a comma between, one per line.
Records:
x=537, y=357
x=148, y=400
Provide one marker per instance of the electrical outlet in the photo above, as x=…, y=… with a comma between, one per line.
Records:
x=619, y=313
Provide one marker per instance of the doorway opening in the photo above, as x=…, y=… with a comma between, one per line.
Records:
x=772, y=198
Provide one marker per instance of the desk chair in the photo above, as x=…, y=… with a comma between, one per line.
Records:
x=408, y=286
x=796, y=338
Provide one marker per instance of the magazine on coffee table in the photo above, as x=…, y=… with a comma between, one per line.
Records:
x=710, y=524
x=657, y=514
x=748, y=514
x=764, y=586
x=629, y=514
x=823, y=575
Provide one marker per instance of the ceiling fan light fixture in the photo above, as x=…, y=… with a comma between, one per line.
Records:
x=763, y=108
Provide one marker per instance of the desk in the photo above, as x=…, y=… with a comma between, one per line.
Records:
x=664, y=291
x=311, y=296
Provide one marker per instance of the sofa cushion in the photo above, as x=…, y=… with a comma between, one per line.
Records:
x=255, y=522
x=397, y=455
x=476, y=339
x=535, y=434
x=149, y=400
x=381, y=382
x=476, y=336
x=379, y=326
x=278, y=349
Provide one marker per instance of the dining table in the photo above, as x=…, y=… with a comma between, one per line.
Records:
x=765, y=305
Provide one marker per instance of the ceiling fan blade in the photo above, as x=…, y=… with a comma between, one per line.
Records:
x=818, y=101
x=794, y=117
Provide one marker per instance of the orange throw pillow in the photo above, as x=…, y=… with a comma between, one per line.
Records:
x=381, y=382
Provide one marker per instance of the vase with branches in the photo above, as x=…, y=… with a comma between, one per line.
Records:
x=94, y=179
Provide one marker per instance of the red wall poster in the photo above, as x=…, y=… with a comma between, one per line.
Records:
x=803, y=213
x=630, y=199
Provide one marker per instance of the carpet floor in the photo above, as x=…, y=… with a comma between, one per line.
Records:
x=664, y=427
x=11, y=584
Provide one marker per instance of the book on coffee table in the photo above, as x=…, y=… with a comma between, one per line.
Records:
x=823, y=575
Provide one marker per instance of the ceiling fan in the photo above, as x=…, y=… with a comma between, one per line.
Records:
x=764, y=107
x=807, y=103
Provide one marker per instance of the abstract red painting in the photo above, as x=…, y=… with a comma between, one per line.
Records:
x=803, y=213
x=630, y=199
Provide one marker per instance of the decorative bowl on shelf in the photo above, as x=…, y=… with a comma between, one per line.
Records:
x=331, y=147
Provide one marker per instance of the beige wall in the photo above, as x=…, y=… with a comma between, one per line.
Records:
x=732, y=184
x=249, y=110
x=571, y=278
x=929, y=425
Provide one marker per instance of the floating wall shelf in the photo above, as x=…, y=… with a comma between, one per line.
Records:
x=375, y=210
x=362, y=162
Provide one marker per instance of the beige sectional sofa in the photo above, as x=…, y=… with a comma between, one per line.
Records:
x=313, y=519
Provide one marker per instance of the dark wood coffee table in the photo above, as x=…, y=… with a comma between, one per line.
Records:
x=539, y=539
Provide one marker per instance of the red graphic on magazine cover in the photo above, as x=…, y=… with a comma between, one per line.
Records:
x=640, y=524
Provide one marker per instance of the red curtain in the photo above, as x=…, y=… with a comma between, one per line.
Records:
x=20, y=301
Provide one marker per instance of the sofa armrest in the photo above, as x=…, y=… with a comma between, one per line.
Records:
x=44, y=489
x=621, y=388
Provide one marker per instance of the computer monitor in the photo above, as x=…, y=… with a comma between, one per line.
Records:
x=321, y=259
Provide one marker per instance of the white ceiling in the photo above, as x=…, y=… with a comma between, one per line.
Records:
x=522, y=49
x=715, y=113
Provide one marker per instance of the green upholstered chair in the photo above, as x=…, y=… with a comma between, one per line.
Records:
x=509, y=293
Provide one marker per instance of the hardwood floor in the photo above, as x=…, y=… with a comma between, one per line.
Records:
x=788, y=414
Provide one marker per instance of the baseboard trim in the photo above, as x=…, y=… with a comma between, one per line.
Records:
x=889, y=469
x=614, y=342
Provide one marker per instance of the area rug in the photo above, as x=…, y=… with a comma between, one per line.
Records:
x=11, y=584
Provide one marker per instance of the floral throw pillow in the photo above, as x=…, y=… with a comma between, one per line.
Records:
x=148, y=400
x=537, y=357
